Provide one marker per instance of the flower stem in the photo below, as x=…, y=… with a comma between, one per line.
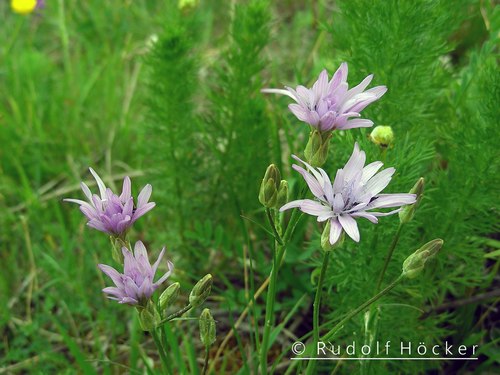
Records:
x=278, y=258
x=311, y=366
x=360, y=308
x=182, y=311
x=394, y=242
x=268, y=322
x=273, y=226
x=205, y=363
x=161, y=350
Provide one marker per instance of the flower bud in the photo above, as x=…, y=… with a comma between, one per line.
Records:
x=325, y=239
x=201, y=291
x=188, y=4
x=169, y=296
x=382, y=136
x=148, y=317
x=269, y=187
x=407, y=212
x=316, y=151
x=415, y=263
x=282, y=194
x=207, y=328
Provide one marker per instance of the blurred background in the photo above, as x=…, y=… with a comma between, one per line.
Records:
x=167, y=92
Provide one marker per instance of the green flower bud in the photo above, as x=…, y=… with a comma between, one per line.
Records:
x=269, y=187
x=201, y=291
x=382, y=136
x=408, y=211
x=207, y=328
x=325, y=239
x=282, y=194
x=316, y=151
x=148, y=317
x=415, y=263
x=169, y=296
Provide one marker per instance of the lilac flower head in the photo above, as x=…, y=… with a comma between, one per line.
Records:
x=355, y=190
x=135, y=285
x=329, y=104
x=110, y=213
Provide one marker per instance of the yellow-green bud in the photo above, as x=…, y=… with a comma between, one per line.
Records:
x=201, y=291
x=207, y=328
x=169, y=296
x=407, y=212
x=325, y=239
x=269, y=187
x=188, y=4
x=316, y=151
x=382, y=136
x=282, y=194
x=415, y=263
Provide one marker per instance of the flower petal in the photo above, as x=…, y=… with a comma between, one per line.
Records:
x=365, y=215
x=380, y=181
x=335, y=231
x=126, y=190
x=356, y=123
x=314, y=185
x=350, y=226
x=144, y=195
x=279, y=92
x=113, y=274
x=392, y=200
x=100, y=184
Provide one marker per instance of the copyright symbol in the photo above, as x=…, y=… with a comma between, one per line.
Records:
x=298, y=348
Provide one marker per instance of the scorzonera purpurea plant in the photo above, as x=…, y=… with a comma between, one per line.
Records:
x=339, y=199
x=114, y=215
x=355, y=192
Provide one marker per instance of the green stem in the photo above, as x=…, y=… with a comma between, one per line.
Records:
x=278, y=258
x=182, y=311
x=273, y=226
x=311, y=366
x=161, y=350
x=205, y=363
x=268, y=323
x=394, y=242
x=360, y=308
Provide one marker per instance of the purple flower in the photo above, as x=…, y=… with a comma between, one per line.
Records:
x=330, y=105
x=110, y=213
x=353, y=193
x=135, y=286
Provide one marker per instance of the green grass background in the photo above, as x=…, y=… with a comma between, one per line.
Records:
x=84, y=84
